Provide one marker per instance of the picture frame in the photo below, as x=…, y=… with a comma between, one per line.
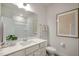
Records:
x=68, y=23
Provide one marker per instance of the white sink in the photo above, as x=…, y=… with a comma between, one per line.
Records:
x=27, y=42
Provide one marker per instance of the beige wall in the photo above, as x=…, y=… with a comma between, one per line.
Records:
x=40, y=10
x=71, y=44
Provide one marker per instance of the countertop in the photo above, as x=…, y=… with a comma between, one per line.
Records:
x=19, y=46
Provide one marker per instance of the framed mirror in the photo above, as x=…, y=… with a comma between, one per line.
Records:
x=68, y=23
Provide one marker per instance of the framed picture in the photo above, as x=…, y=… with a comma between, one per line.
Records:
x=68, y=23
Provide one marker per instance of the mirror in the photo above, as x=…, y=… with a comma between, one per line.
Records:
x=67, y=23
x=17, y=21
x=1, y=31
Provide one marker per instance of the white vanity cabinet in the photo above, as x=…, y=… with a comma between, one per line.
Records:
x=17, y=53
x=38, y=48
x=42, y=49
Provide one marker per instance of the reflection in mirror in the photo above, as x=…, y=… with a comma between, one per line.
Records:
x=19, y=22
x=1, y=31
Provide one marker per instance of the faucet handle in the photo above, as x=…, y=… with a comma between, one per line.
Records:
x=2, y=44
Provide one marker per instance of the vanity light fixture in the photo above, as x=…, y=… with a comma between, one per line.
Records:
x=26, y=6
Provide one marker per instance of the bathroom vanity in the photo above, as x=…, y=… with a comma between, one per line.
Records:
x=31, y=47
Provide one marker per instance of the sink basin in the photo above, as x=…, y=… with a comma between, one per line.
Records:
x=27, y=42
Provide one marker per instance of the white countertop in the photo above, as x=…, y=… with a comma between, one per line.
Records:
x=18, y=46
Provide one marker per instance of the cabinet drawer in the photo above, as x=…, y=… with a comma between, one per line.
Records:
x=31, y=49
x=18, y=53
x=43, y=44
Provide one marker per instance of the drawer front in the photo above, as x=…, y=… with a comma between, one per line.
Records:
x=43, y=44
x=18, y=53
x=31, y=49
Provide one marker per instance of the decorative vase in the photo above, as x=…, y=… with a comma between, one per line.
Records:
x=11, y=42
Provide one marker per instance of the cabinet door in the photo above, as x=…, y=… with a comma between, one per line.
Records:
x=43, y=51
x=31, y=49
x=18, y=53
x=31, y=54
x=40, y=52
x=37, y=53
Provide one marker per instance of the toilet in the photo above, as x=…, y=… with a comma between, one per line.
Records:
x=50, y=51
